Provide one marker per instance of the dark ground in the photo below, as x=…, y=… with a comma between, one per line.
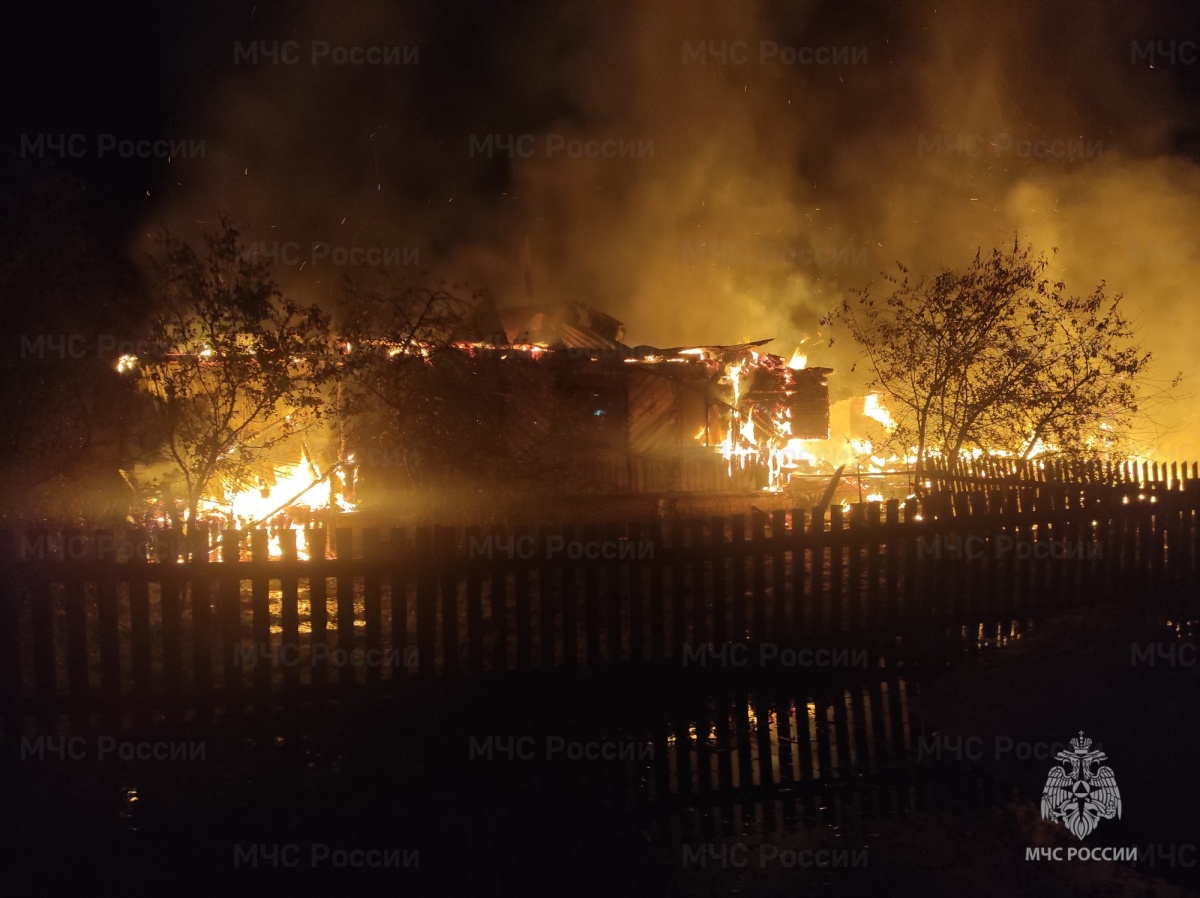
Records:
x=396, y=775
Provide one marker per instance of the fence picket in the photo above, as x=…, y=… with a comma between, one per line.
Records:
x=289, y=614
x=140, y=649
x=550, y=588
x=318, y=611
x=656, y=572
x=698, y=581
x=108, y=619
x=12, y=587
x=522, y=621
x=781, y=627
x=570, y=603
x=637, y=537
x=837, y=571
x=74, y=550
x=474, y=586
x=756, y=549
x=260, y=622
x=737, y=560
x=427, y=596
x=344, y=590
x=591, y=597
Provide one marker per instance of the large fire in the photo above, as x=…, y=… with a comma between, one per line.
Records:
x=766, y=398
x=299, y=491
x=760, y=428
x=874, y=408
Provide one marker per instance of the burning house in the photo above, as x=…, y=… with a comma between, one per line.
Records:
x=642, y=420
x=548, y=404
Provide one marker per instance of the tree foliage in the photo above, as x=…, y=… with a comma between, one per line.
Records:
x=999, y=357
x=426, y=390
x=237, y=368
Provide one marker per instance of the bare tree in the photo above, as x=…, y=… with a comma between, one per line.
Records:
x=237, y=367
x=999, y=357
x=430, y=385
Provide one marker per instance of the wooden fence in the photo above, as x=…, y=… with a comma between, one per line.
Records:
x=247, y=620
x=988, y=474
x=699, y=469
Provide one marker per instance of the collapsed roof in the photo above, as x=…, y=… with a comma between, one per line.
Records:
x=577, y=326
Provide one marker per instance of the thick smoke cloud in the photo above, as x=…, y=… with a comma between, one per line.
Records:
x=772, y=187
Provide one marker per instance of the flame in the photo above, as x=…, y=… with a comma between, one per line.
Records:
x=874, y=408
x=294, y=480
x=275, y=544
x=758, y=434
x=300, y=485
x=747, y=430
x=787, y=458
x=735, y=380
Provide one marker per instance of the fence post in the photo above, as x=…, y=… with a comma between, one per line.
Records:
x=637, y=593
x=73, y=551
x=345, y=584
x=678, y=564
x=779, y=600
x=887, y=616
x=373, y=559
x=445, y=585
x=569, y=599
x=855, y=543
x=815, y=565
x=200, y=602
x=400, y=567
x=737, y=555
x=12, y=590
x=871, y=615
x=447, y=560
x=591, y=596
x=260, y=621
x=522, y=597
x=45, y=654
x=426, y=567
x=912, y=596
x=318, y=611
x=698, y=551
x=289, y=615
x=229, y=616
x=757, y=548
x=837, y=573
x=139, y=623
x=108, y=618
x=721, y=555
x=658, y=622
x=478, y=547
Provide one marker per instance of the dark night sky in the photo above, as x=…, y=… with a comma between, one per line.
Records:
x=771, y=188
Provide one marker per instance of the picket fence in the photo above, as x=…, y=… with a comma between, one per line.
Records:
x=129, y=622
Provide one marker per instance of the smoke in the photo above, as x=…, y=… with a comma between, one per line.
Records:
x=715, y=195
